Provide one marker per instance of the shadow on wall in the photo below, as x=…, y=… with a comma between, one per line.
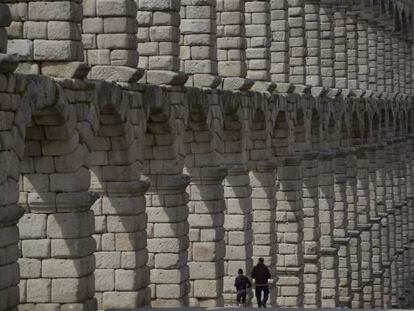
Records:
x=56, y=247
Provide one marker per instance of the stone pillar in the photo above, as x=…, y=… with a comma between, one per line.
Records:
x=313, y=45
x=411, y=51
x=289, y=261
x=109, y=35
x=396, y=186
x=198, y=51
x=297, y=42
x=352, y=49
x=395, y=63
x=388, y=61
x=280, y=42
x=381, y=293
x=408, y=271
x=168, y=241
x=263, y=183
x=380, y=60
x=311, y=231
x=327, y=48
x=238, y=227
x=328, y=259
x=411, y=208
x=389, y=199
x=362, y=52
x=373, y=76
x=341, y=238
x=377, y=216
x=401, y=62
x=365, y=226
x=5, y=21
x=121, y=276
x=10, y=211
x=340, y=46
x=47, y=37
x=258, y=36
x=353, y=231
x=57, y=249
x=158, y=42
x=382, y=212
x=207, y=247
x=408, y=69
x=399, y=202
x=374, y=220
x=231, y=45
x=167, y=207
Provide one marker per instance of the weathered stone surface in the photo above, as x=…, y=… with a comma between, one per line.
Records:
x=314, y=176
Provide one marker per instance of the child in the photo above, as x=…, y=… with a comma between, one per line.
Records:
x=242, y=283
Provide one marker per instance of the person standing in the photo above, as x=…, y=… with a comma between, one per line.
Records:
x=261, y=276
x=242, y=283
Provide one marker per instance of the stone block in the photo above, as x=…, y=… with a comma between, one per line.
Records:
x=38, y=290
x=57, y=30
x=108, y=260
x=55, y=11
x=57, y=50
x=161, y=276
x=70, y=225
x=66, y=268
x=116, y=8
x=32, y=226
x=112, y=300
x=170, y=291
x=207, y=288
x=70, y=290
x=35, y=248
x=104, y=280
x=131, y=280
x=29, y=268
x=211, y=251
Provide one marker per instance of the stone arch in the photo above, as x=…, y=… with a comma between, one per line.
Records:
x=332, y=137
x=206, y=201
x=116, y=160
x=404, y=123
x=288, y=175
x=390, y=123
x=263, y=185
x=259, y=137
x=366, y=128
x=280, y=136
x=301, y=143
x=315, y=130
x=344, y=131
x=398, y=20
x=375, y=129
x=166, y=199
x=237, y=191
x=356, y=134
x=383, y=123
x=410, y=121
x=57, y=263
x=398, y=125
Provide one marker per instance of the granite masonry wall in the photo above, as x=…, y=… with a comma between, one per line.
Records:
x=150, y=148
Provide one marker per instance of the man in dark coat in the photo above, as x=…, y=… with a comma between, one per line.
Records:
x=242, y=283
x=261, y=275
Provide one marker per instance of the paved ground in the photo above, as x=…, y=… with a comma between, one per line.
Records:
x=236, y=308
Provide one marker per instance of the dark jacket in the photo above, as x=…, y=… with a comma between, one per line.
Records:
x=261, y=274
x=242, y=282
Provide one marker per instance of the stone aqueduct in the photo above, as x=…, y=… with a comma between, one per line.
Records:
x=279, y=129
